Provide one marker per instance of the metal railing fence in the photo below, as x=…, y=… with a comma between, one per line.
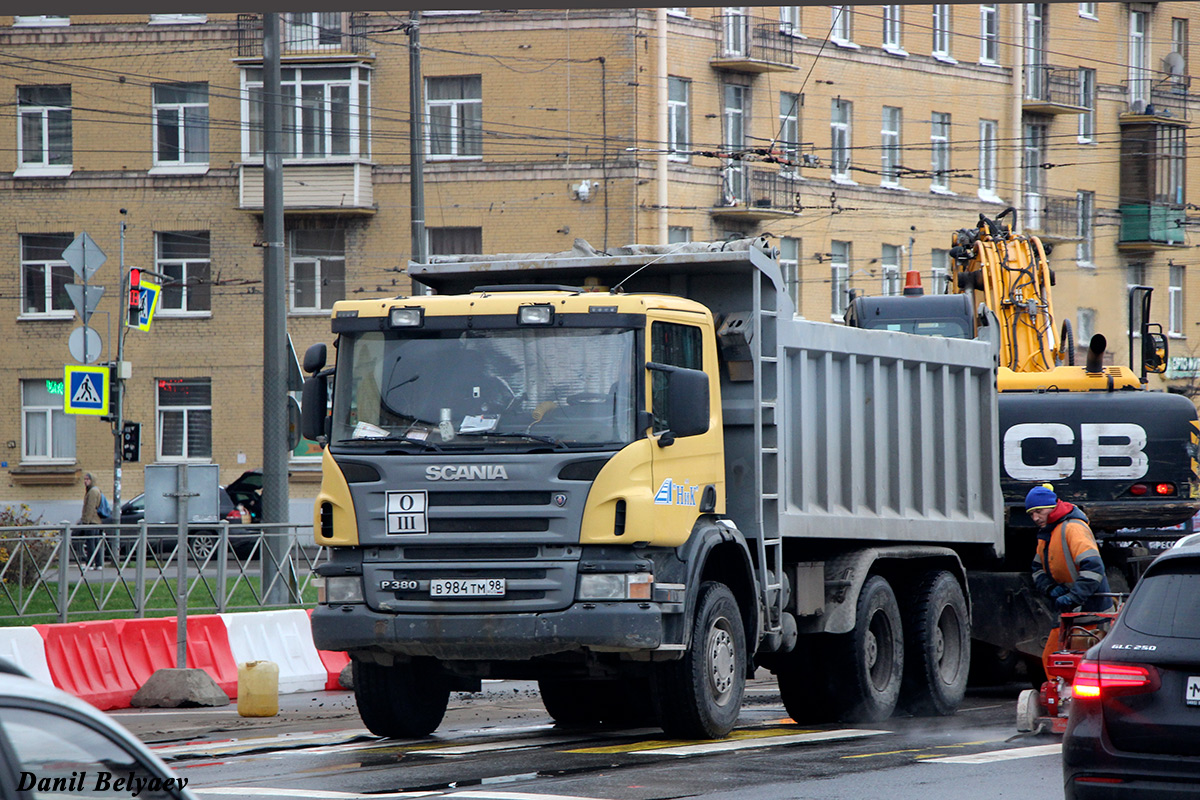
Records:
x=60, y=573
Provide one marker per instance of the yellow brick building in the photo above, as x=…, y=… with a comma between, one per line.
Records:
x=857, y=138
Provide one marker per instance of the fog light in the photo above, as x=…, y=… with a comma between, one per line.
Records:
x=344, y=589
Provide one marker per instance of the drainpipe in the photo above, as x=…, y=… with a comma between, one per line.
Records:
x=660, y=22
x=1018, y=93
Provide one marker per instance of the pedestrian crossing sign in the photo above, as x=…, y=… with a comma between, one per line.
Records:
x=86, y=391
x=148, y=296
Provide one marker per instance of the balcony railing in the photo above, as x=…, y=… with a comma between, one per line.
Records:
x=753, y=44
x=1152, y=224
x=1052, y=90
x=1055, y=218
x=306, y=33
x=757, y=193
x=1167, y=99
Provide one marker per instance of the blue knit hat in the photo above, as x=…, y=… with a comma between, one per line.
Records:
x=1041, y=497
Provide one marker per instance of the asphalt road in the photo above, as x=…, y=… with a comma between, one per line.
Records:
x=501, y=745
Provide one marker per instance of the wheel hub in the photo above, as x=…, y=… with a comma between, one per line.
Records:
x=722, y=662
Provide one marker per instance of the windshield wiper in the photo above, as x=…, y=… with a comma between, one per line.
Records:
x=391, y=437
x=533, y=437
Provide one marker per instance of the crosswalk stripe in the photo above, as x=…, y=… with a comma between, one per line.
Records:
x=729, y=745
x=302, y=794
x=998, y=755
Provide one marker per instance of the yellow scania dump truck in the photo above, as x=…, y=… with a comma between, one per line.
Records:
x=634, y=478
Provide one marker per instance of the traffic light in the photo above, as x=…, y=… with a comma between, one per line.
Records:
x=135, y=296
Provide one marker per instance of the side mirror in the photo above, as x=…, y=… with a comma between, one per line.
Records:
x=687, y=401
x=1154, y=350
x=315, y=399
x=314, y=358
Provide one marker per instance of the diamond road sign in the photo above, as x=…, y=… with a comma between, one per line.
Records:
x=86, y=390
x=84, y=256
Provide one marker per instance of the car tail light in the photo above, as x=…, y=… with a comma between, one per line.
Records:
x=1097, y=779
x=239, y=516
x=1096, y=679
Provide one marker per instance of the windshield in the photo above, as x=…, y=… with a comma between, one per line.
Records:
x=447, y=389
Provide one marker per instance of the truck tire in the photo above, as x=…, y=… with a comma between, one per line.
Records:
x=803, y=678
x=700, y=695
x=868, y=663
x=404, y=701
x=937, y=631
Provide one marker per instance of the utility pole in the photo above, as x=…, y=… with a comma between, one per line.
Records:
x=416, y=139
x=275, y=373
x=118, y=390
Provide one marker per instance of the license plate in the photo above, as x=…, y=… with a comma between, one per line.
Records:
x=466, y=587
x=1192, y=694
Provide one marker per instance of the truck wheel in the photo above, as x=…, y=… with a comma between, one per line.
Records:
x=700, y=695
x=870, y=665
x=938, y=635
x=404, y=701
x=570, y=702
x=803, y=679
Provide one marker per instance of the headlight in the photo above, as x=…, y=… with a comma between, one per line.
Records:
x=343, y=589
x=619, y=586
x=535, y=315
x=406, y=317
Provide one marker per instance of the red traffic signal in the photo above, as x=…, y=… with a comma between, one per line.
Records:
x=135, y=295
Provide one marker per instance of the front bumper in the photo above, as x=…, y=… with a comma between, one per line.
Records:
x=601, y=627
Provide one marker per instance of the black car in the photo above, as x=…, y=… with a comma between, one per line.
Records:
x=1134, y=729
x=240, y=502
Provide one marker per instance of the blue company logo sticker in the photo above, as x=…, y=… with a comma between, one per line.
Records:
x=674, y=494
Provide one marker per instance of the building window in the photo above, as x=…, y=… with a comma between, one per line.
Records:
x=180, y=124
x=1139, y=74
x=311, y=30
x=890, y=146
x=178, y=19
x=988, y=144
x=678, y=234
x=47, y=432
x=1085, y=329
x=939, y=272
x=40, y=21
x=679, y=126
x=184, y=419
x=734, y=141
x=1171, y=165
x=1175, y=301
x=455, y=109
x=989, y=33
x=839, y=276
x=455, y=241
x=1036, y=71
x=789, y=265
x=839, y=131
x=1179, y=44
x=1087, y=99
x=318, y=268
x=1087, y=10
x=44, y=142
x=1034, y=177
x=789, y=129
x=1085, y=227
x=891, y=30
x=736, y=31
x=324, y=115
x=842, y=29
x=789, y=20
x=674, y=12
x=1135, y=274
x=939, y=140
x=184, y=258
x=45, y=275
x=941, y=32
x=891, y=269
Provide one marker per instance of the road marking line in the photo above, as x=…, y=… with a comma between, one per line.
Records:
x=228, y=746
x=761, y=741
x=998, y=755
x=303, y=794
x=485, y=795
x=511, y=744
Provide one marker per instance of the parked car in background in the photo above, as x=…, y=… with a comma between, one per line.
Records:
x=52, y=735
x=1134, y=729
x=240, y=503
